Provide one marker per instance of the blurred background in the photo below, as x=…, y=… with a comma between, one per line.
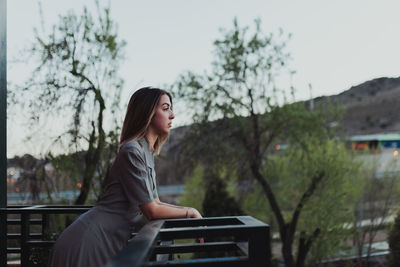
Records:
x=285, y=110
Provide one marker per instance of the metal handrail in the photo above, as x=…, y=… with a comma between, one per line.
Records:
x=154, y=244
x=252, y=244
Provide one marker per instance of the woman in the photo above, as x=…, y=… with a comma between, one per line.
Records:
x=130, y=188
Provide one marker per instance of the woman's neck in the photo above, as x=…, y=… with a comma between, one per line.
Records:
x=151, y=140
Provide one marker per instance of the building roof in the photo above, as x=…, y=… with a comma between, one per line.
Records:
x=376, y=137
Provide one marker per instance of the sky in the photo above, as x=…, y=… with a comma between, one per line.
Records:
x=334, y=45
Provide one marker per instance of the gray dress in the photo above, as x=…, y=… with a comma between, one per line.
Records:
x=98, y=235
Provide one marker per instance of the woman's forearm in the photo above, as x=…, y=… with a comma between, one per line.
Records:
x=158, y=201
x=155, y=210
x=164, y=210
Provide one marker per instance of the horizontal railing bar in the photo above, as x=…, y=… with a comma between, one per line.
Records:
x=192, y=232
x=209, y=262
x=33, y=207
x=210, y=221
x=13, y=250
x=248, y=220
x=163, y=257
x=18, y=236
x=18, y=206
x=213, y=228
x=48, y=206
x=40, y=243
x=44, y=211
x=196, y=247
x=35, y=243
x=18, y=221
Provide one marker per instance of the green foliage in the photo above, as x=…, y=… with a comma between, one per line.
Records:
x=379, y=198
x=394, y=243
x=290, y=172
x=240, y=100
x=195, y=188
x=76, y=70
x=217, y=200
x=240, y=113
x=256, y=204
x=330, y=207
x=211, y=192
x=243, y=76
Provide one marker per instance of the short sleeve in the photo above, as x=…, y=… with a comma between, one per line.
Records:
x=153, y=182
x=155, y=194
x=134, y=177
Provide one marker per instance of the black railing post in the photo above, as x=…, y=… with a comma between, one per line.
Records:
x=3, y=239
x=259, y=247
x=45, y=225
x=3, y=131
x=25, y=217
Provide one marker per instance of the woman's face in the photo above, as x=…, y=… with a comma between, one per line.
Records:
x=162, y=120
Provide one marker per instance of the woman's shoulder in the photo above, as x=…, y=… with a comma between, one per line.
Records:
x=133, y=145
x=133, y=148
x=136, y=150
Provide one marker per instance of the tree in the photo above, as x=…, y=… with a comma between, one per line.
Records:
x=330, y=206
x=379, y=197
x=195, y=189
x=209, y=189
x=239, y=112
x=394, y=243
x=217, y=200
x=76, y=81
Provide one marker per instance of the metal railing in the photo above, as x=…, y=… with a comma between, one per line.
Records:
x=240, y=240
x=27, y=238
x=245, y=238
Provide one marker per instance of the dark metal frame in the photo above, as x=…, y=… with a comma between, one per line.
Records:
x=154, y=244
x=28, y=239
x=252, y=243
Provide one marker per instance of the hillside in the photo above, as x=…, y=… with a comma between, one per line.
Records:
x=371, y=107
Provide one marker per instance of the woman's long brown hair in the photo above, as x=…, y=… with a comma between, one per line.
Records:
x=141, y=109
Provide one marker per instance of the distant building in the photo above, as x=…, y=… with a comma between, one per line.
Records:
x=380, y=151
x=375, y=142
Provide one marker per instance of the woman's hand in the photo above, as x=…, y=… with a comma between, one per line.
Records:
x=193, y=213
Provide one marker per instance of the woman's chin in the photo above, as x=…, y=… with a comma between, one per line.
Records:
x=165, y=132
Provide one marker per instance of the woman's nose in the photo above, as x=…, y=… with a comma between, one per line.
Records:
x=171, y=116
